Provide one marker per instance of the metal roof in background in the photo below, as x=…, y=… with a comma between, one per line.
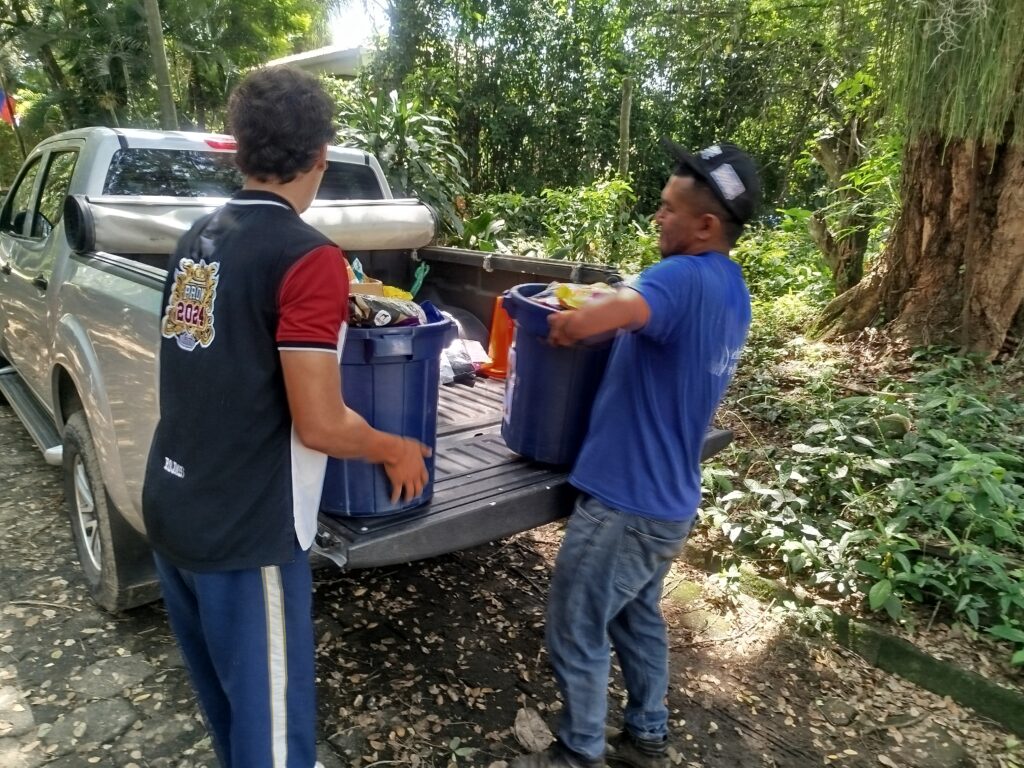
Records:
x=332, y=60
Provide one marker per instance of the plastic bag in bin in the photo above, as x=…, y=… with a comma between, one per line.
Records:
x=572, y=295
x=367, y=311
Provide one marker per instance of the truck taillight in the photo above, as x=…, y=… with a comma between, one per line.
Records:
x=225, y=143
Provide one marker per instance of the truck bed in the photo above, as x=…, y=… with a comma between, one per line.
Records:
x=482, y=490
x=477, y=482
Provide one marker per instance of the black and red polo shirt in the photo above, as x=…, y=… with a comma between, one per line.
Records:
x=228, y=484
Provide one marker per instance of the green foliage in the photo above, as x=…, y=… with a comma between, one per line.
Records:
x=521, y=217
x=91, y=64
x=415, y=146
x=868, y=195
x=522, y=214
x=911, y=493
x=536, y=86
x=783, y=260
x=588, y=223
x=10, y=157
x=955, y=68
x=638, y=247
x=96, y=59
x=532, y=88
x=211, y=44
x=776, y=330
x=594, y=223
x=480, y=233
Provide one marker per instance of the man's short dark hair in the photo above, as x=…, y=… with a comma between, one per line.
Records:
x=280, y=117
x=709, y=203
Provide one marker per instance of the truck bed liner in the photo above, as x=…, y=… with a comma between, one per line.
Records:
x=461, y=407
x=477, y=480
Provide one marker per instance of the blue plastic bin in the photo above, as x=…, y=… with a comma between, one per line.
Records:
x=390, y=376
x=550, y=390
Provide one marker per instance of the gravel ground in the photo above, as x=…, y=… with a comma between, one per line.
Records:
x=432, y=664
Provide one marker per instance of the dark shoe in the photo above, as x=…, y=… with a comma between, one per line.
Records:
x=627, y=749
x=555, y=756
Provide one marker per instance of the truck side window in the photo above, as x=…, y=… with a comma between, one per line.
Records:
x=55, y=189
x=19, y=202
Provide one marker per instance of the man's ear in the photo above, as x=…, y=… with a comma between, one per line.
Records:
x=321, y=159
x=711, y=226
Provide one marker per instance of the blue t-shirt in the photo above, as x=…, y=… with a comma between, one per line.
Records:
x=662, y=386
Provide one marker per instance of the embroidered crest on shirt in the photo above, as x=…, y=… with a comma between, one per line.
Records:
x=188, y=317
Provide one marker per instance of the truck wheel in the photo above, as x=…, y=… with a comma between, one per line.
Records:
x=117, y=563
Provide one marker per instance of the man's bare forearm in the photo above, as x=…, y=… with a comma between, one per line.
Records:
x=625, y=310
x=321, y=418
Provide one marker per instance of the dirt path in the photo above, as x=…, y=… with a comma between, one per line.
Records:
x=428, y=665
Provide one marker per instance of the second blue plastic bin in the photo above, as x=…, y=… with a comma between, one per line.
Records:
x=390, y=376
x=550, y=390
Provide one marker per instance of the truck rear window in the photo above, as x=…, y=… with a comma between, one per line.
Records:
x=194, y=173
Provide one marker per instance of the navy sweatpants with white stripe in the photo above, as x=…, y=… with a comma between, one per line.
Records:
x=247, y=639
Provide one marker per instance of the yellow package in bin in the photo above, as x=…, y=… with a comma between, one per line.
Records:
x=391, y=292
x=575, y=295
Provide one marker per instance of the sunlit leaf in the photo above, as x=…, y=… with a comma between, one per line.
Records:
x=919, y=458
x=879, y=593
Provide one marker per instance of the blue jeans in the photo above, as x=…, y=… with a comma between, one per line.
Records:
x=607, y=583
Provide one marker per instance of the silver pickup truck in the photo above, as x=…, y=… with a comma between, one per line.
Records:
x=85, y=235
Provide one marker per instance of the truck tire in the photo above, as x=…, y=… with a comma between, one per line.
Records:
x=116, y=561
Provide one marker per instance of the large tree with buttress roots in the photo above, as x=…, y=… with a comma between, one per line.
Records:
x=953, y=269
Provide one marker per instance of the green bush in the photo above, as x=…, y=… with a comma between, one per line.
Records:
x=783, y=260
x=523, y=214
x=480, y=233
x=914, y=492
x=415, y=147
x=593, y=223
x=598, y=223
x=588, y=223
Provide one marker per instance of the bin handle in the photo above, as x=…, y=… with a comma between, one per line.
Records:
x=392, y=346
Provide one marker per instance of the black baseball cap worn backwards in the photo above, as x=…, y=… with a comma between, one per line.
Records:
x=728, y=171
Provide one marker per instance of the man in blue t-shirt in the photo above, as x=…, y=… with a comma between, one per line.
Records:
x=639, y=468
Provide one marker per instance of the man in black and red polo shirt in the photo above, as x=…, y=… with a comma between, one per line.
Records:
x=250, y=408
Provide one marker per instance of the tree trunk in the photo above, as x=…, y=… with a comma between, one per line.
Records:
x=168, y=116
x=843, y=255
x=953, y=270
x=625, y=108
x=843, y=252
x=196, y=98
x=1017, y=328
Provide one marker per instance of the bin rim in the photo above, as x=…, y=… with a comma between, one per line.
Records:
x=437, y=326
x=517, y=293
x=534, y=319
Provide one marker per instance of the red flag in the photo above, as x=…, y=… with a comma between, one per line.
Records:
x=6, y=108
